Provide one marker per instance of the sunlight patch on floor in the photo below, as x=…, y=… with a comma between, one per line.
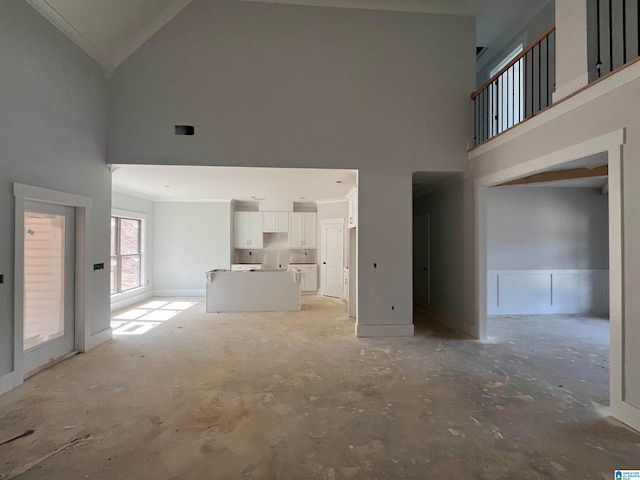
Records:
x=142, y=318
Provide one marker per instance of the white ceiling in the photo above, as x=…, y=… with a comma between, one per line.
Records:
x=111, y=30
x=180, y=183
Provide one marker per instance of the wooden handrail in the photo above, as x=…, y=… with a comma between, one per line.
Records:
x=531, y=46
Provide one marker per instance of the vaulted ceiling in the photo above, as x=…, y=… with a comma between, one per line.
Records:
x=111, y=30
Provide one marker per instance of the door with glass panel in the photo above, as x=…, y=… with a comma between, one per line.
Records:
x=49, y=286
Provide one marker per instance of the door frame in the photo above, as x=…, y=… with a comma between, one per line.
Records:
x=613, y=144
x=324, y=222
x=83, y=211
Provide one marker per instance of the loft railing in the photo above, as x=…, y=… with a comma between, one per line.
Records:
x=517, y=91
x=613, y=37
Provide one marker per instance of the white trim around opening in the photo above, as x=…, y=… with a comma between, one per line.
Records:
x=612, y=143
x=83, y=205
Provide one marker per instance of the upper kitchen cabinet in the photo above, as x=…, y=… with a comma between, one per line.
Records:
x=275, y=222
x=352, y=208
x=302, y=230
x=247, y=230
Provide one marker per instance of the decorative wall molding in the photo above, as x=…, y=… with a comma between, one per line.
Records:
x=545, y=292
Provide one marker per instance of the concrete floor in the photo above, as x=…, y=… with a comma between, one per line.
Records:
x=297, y=396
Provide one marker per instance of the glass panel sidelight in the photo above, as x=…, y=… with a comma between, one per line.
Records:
x=44, y=276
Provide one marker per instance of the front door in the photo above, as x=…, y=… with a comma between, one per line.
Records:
x=331, y=252
x=49, y=287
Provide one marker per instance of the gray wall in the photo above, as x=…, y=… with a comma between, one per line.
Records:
x=190, y=239
x=53, y=101
x=544, y=228
x=291, y=86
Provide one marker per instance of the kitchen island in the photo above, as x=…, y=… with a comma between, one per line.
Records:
x=253, y=291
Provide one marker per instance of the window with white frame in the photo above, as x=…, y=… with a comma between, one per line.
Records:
x=126, y=253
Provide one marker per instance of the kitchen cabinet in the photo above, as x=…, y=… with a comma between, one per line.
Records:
x=247, y=230
x=302, y=230
x=352, y=208
x=308, y=277
x=275, y=222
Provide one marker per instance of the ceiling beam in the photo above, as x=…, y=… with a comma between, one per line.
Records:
x=559, y=175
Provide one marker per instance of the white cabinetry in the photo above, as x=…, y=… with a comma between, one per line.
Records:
x=302, y=230
x=352, y=208
x=247, y=230
x=275, y=222
x=308, y=277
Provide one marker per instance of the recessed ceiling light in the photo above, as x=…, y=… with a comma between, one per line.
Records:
x=303, y=198
x=167, y=186
x=338, y=181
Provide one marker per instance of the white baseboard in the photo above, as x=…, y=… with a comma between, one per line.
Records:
x=384, y=330
x=180, y=293
x=6, y=383
x=99, y=338
x=131, y=300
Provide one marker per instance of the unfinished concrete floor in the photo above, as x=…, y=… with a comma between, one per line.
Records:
x=297, y=396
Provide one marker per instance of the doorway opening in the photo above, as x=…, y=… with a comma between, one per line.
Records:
x=604, y=153
x=438, y=234
x=548, y=274
x=198, y=219
x=51, y=291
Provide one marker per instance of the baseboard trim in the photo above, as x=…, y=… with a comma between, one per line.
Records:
x=6, y=383
x=384, y=330
x=179, y=293
x=120, y=304
x=98, y=339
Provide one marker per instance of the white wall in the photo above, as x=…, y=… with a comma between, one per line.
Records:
x=190, y=239
x=291, y=86
x=122, y=204
x=53, y=100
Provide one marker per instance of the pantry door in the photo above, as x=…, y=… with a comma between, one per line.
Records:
x=331, y=253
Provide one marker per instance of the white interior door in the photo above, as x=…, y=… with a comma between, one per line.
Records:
x=331, y=253
x=49, y=287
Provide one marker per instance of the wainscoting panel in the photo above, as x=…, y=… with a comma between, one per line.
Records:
x=530, y=292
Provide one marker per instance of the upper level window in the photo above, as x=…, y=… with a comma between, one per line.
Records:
x=126, y=254
x=506, y=106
